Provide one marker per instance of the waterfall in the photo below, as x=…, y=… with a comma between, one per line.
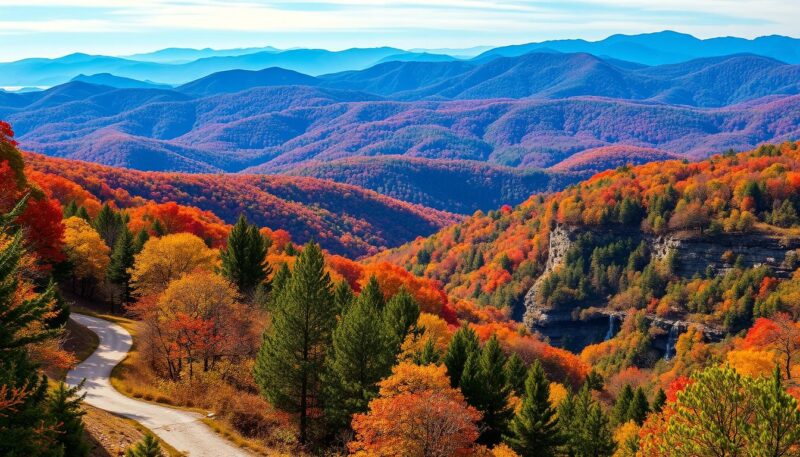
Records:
x=610, y=332
x=672, y=338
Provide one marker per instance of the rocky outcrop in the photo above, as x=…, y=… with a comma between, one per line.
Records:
x=693, y=254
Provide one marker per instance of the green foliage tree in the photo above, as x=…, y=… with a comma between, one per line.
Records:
x=343, y=297
x=109, y=223
x=485, y=387
x=659, y=401
x=291, y=358
x=585, y=426
x=64, y=411
x=463, y=344
x=141, y=239
x=534, y=430
x=122, y=259
x=372, y=293
x=622, y=406
x=639, y=407
x=400, y=317
x=148, y=447
x=244, y=259
x=517, y=374
x=429, y=354
x=362, y=354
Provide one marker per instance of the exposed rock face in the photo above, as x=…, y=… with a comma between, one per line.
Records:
x=694, y=254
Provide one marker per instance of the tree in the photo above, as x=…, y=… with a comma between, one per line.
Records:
x=343, y=296
x=148, y=447
x=373, y=294
x=659, y=400
x=64, y=409
x=516, y=373
x=168, y=258
x=485, y=387
x=463, y=344
x=780, y=334
x=639, y=407
x=22, y=389
x=417, y=413
x=122, y=258
x=724, y=413
x=291, y=358
x=362, y=354
x=244, y=259
x=87, y=255
x=109, y=224
x=585, y=426
x=534, y=431
x=622, y=406
x=400, y=317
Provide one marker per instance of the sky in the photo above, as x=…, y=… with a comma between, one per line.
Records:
x=49, y=28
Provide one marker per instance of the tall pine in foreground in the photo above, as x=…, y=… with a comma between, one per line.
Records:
x=463, y=344
x=122, y=257
x=244, y=259
x=292, y=356
x=400, y=317
x=64, y=408
x=534, y=431
x=485, y=387
x=362, y=354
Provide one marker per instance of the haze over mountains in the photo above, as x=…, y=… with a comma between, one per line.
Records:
x=532, y=121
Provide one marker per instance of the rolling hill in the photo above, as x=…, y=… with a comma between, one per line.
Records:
x=344, y=219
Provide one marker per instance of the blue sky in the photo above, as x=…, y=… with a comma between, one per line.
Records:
x=49, y=28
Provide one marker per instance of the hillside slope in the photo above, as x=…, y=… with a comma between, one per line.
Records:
x=342, y=218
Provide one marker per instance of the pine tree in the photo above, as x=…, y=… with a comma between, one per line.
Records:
x=108, y=224
x=534, y=431
x=141, y=239
x=584, y=426
x=148, y=447
x=361, y=355
x=64, y=410
x=429, y=354
x=70, y=209
x=158, y=228
x=400, y=317
x=122, y=258
x=279, y=281
x=83, y=214
x=659, y=401
x=463, y=344
x=485, y=387
x=622, y=406
x=343, y=297
x=244, y=259
x=372, y=293
x=20, y=426
x=517, y=374
x=291, y=358
x=639, y=407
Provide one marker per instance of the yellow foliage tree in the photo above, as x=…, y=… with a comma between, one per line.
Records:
x=168, y=258
x=433, y=328
x=87, y=254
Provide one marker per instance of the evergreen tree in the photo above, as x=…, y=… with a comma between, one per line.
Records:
x=429, y=354
x=21, y=433
x=372, y=293
x=148, y=447
x=639, y=407
x=244, y=259
x=517, y=374
x=362, y=354
x=622, y=406
x=83, y=214
x=108, y=224
x=291, y=358
x=64, y=409
x=141, y=239
x=485, y=387
x=534, y=431
x=343, y=297
x=463, y=344
x=158, y=228
x=279, y=281
x=659, y=401
x=122, y=258
x=70, y=209
x=584, y=426
x=400, y=317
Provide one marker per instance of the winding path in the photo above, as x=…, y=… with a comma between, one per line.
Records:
x=183, y=430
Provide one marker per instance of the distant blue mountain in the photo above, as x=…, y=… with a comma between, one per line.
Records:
x=231, y=81
x=183, y=55
x=662, y=48
x=107, y=79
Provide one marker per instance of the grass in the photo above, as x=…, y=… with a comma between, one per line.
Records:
x=109, y=435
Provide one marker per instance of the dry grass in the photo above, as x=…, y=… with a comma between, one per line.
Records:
x=109, y=435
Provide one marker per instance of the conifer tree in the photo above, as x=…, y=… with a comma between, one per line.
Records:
x=343, y=297
x=584, y=426
x=429, y=354
x=267, y=298
x=158, y=228
x=463, y=344
x=108, y=224
x=64, y=410
x=141, y=239
x=291, y=358
x=659, y=401
x=244, y=259
x=534, y=431
x=83, y=214
x=360, y=357
x=622, y=406
x=148, y=447
x=70, y=209
x=372, y=293
x=517, y=374
x=639, y=407
x=400, y=317
x=122, y=258
x=485, y=387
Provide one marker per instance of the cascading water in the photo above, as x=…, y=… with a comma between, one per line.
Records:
x=610, y=333
x=672, y=339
